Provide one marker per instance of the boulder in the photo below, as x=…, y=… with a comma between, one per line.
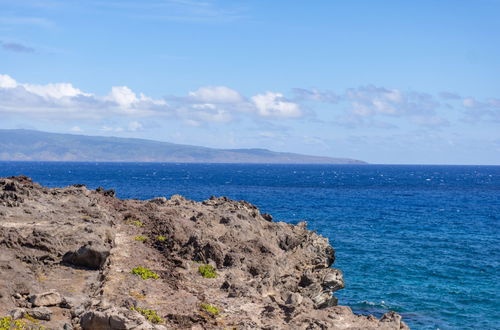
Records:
x=114, y=319
x=92, y=255
x=41, y=313
x=51, y=298
x=333, y=280
x=294, y=299
x=17, y=313
x=324, y=299
x=94, y=320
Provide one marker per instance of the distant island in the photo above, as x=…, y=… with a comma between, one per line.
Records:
x=31, y=145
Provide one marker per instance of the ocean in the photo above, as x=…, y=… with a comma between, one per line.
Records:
x=423, y=241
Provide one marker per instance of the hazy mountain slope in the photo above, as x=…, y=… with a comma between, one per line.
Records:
x=42, y=146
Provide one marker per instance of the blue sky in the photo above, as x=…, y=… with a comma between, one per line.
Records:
x=382, y=81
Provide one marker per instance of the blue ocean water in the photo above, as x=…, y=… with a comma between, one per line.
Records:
x=421, y=240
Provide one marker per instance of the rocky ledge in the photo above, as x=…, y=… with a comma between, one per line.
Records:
x=74, y=258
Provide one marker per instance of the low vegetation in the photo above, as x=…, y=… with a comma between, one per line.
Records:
x=137, y=223
x=29, y=323
x=211, y=309
x=207, y=271
x=161, y=238
x=149, y=314
x=144, y=273
x=141, y=238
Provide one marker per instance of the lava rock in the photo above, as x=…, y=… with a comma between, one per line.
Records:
x=17, y=313
x=92, y=255
x=51, y=298
x=41, y=313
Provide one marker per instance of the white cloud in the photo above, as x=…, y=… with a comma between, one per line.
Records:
x=488, y=110
x=367, y=106
x=126, y=98
x=135, y=126
x=7, y=81
x=208, y=104
x=216, y=94
x=123, y=96
x=54, y=91
x=197, y=114
x=316, y=95
x=370, y=101
x=65, y=100
x=204, y=106
x=272, y=104
x=76, y=129
x=111, y=129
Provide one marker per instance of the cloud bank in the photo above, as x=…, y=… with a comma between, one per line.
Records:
x=204, y=105
x=365, y=106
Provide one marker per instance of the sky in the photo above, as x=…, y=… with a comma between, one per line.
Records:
x=388, y=82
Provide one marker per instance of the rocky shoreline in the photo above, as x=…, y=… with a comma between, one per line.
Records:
x=74, y=258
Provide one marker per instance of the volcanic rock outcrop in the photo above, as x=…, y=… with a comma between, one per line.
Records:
x=74, y=258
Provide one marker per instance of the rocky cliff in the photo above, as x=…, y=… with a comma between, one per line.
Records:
x=74, y=258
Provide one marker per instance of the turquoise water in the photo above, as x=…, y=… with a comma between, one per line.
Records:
x=421, y=240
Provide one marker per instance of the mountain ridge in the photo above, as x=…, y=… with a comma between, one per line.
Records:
x=32, y=145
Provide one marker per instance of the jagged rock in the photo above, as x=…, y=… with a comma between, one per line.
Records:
x=71, y=302
x=17, y=313
x=67, y=326
x=324, y=299
x=51, y=298
x=391, y=317
x=94, y=320
x=92, y=255
x=108, y=192
x=41, y=313
x=267, y=217
x=294, y=299
x=159, y=200
x=114, y=319
x=333, y=280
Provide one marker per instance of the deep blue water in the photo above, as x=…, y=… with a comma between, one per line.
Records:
x=421, y=240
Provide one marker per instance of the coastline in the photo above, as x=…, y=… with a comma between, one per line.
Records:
x=269, y=274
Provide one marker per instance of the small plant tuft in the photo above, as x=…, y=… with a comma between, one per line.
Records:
x=161, y=238
x=207, y=271
x=150, y=314
x=30, y=318
x=7, y=323
x=141, y=238
x=144, y=273
x=137, y=223
x=210, y=309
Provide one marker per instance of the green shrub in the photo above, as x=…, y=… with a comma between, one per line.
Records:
x=207, y=271
x=210, y=309
x=144, y=273
x=161, y=238
x=149, y=314
x=141, y=238
x=137, y=223
x=7, y=323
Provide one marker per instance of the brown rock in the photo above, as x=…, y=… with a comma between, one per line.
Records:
x=51, y=298
x=41, y=313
